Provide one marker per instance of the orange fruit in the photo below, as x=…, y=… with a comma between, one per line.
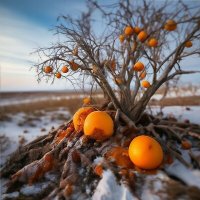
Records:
x=136, y=29
x=188, y=44
x=128, y=31
x=120, y=156
x=98, y=170
x=98, y=125
x=145, y=84
x=74, y=66
x=145, y=152
x=48, y=69
x=79, y=117
x=185, y=144
x=58, y=75
x=170, y=25
x=142, y=36
x=86, y=100
x=139, y=66
x=153, y=42
x=65, y=69
x=142, y=75
x=121, y=38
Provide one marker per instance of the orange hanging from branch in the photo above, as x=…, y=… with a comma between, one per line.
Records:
x=142, y=36
x=170, y=25
x=139, y=66
x=128, y=31
x=48, y=69
x=64, y=69
x=153, y=42
x=188, y=44
x=58, y=75
x=145, y=84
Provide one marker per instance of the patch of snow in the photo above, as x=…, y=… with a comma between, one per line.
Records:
x=33, y=190
x=108, y=188
x=10, y=195
x=13, y=131
x=180, y=112
x=152, y=187
x=98, y=160
x=188, y=176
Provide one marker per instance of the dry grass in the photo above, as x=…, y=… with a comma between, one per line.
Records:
x=178, y=101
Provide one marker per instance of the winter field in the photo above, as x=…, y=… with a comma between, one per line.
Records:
x=26, y=116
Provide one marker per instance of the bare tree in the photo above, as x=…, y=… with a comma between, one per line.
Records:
x=109, y=63
x=108, y=58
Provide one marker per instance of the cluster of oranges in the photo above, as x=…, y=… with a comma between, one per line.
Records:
x=144, y=151
x=142, y=36
x=73, y=66
x=97, y=125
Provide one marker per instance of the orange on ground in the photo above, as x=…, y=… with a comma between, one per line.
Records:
x=68, y=190
x=74, y=66
x=98, y=170
x=79, y=117
x=170, y=25
x=142, y=75
x=136, y=29
x=65, y=69
x=121, y=38
x=120, y=156
x=142, y=36
x=48, y=69
x=145, y=84
x=128, y=31
x=185, y=144
x=188, y=44
x=139, y=66
x=153, y=42
x=145, y=152
x=98, y=125
x=86, y=100
x=58, y=75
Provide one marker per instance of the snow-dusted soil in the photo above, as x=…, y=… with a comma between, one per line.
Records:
x=22, y=128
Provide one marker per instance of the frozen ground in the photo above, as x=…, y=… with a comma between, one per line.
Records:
x=153, y=186
x=22, y=128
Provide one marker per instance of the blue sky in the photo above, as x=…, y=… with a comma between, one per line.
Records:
x=24, y=26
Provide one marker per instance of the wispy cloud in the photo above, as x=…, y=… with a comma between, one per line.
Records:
x=18, y=38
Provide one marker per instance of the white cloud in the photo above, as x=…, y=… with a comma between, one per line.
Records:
x=18, y=38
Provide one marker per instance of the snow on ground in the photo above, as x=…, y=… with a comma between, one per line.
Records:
x=24, y=128
x=108, y=188
x=189, y=177
x=182, y=113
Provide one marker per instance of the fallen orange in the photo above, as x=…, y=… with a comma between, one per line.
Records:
x=145, y=152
